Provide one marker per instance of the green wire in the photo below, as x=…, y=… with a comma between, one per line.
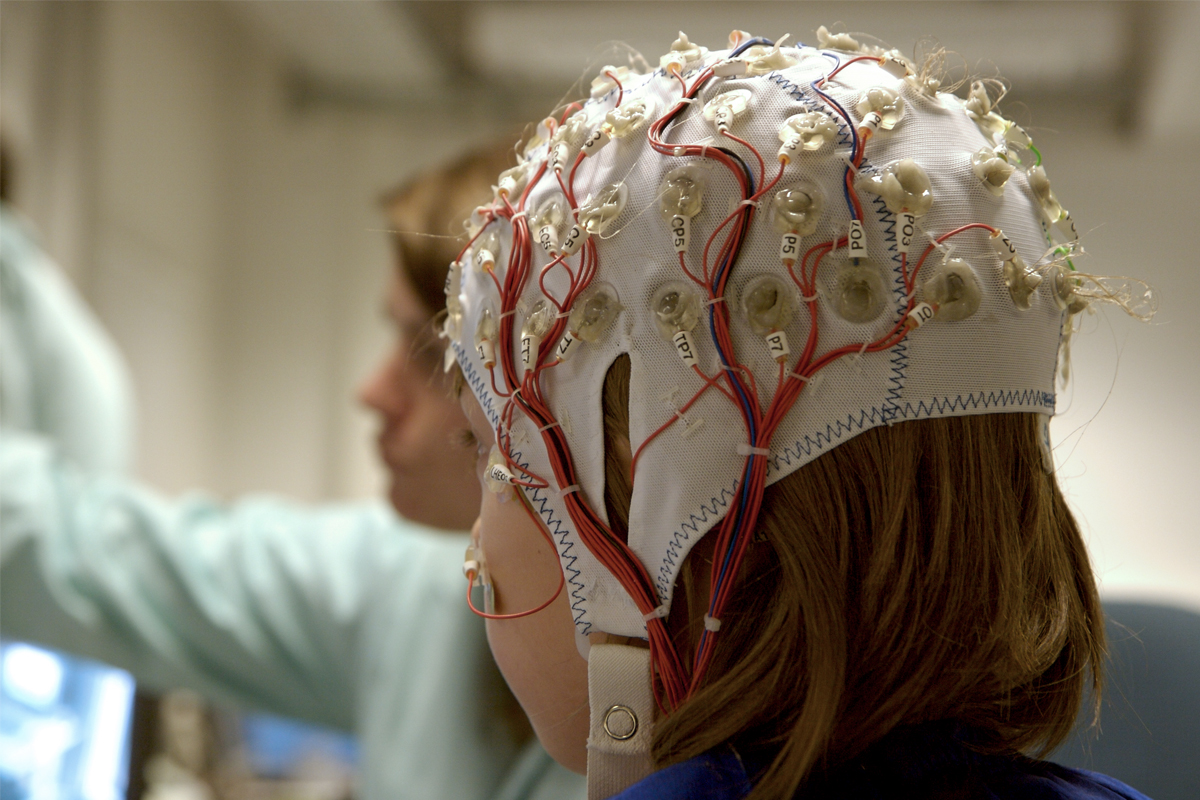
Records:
x=1037, y=153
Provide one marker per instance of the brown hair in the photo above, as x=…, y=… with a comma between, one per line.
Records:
x=926, y=571
x=427, y=214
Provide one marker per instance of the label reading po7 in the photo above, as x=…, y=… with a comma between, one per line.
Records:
x=906, y=229
x=685, y=346
x=681, y=228
x=789, y=247
x=856, y=240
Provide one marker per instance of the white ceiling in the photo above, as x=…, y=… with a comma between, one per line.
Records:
x=493, y=55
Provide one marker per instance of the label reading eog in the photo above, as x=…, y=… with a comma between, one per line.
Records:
x=498, y=473
x=906, y=229
x=680, y=230
x=685, y=347
x=856, y=240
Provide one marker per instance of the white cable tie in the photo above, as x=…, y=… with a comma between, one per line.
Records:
x=566, y=490
x=679, y=416
x=658, y=613
x=563, y=314
x=811, y=299
x=548, y=427
x=863, y=349
x=711, y=623
x=508, y=313
x=801, y=378
x=715, y=300
x=517, y=216
x=745, y=449
x=689, y=100
x=755, y=203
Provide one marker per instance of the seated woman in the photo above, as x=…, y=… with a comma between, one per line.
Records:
x=772, y=508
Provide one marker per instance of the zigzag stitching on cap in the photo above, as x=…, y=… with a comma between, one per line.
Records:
x=680, y=536
x=899, y=353
x=938, y=405
x=481, y=389
x=834, y=430
x=1000, y=399
x=557, y=530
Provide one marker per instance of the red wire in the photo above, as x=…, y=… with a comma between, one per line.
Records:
x=562, y=578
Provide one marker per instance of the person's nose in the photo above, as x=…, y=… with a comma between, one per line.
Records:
x=383, y=389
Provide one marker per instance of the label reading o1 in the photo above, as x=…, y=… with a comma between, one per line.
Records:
x=573, y=241
x=789, y=246
x=921, y=313
x=566, y=346
x=529, y=348
x=906, y=229
x=595, y=141
x=777, y=345
x=680, y=231
x=857, y=240
x=685, y=347
x=546, y=239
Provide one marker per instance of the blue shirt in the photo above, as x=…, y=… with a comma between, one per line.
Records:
x=926, y=762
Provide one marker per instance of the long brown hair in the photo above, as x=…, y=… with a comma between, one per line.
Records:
x=926, y=571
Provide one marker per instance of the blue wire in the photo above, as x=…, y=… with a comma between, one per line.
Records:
x=744, y=46
x=853, y=133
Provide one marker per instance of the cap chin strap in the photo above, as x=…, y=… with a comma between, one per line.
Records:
x=622, y=715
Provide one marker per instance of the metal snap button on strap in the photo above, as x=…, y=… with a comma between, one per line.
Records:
x=620, y=723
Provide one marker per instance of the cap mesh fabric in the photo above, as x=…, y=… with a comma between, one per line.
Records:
x=1000, y=359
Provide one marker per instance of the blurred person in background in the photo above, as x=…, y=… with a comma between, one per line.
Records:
x=347, y=616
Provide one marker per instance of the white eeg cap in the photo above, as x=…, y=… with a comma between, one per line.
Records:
x=992, y=348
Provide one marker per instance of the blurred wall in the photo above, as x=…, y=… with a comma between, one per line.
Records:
x=207, y=172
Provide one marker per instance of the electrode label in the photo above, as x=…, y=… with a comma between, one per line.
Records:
x=566, y=346
x=685, y=347
x=595, y=141
x=789, y=247
x=499, y=474
x=857, y=240
x=1003, y=246
x=921, y=313
x=906, y=229
x=574, y=240
x=546, y=239
x=529, y=348
x=777, y=345
x=487, y=352
x=681, y=228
